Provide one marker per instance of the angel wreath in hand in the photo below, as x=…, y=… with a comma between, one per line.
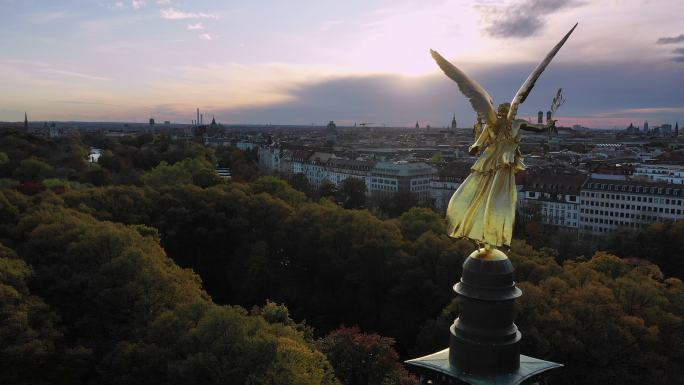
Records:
x=483, y=207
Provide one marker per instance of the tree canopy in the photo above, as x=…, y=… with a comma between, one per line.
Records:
x=139, y=270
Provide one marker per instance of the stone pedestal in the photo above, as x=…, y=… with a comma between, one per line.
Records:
x=484, y=343
x=484, y=339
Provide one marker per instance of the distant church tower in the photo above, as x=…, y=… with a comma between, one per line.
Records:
x=25, y=121
x=540, y=117
x=417, y=125
x=676, y=132
x=453, y=123
x=53, y=132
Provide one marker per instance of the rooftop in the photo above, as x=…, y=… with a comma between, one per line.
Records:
x=403, y=168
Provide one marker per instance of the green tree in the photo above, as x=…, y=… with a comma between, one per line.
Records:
x=352, y=193
x=300, y=183
x=437, y=158
x=146, y=320
x=417, y=220
x=96, y=175
x=33, y=169
x=327, y=189
x=279, y=189
x=206, y=177
x=186, y=171
x=31, y=343
x=394, y=205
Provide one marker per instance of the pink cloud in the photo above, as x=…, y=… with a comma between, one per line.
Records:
x=172, y=14
x=208, y=36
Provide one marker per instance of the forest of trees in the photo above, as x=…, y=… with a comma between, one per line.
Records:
x=148, y=268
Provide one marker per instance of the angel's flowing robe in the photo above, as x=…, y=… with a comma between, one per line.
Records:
x=483, y=207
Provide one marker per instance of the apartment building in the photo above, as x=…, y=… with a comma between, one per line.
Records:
x=607, y=205
x=401, y=177
x=661, y=173
x=554, y=197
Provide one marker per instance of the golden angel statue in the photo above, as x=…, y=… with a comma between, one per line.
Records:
x=483, y=207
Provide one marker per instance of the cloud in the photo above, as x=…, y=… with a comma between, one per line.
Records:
x=679, y=52
x=75, y=74
x=208, y=36
x=137, y=4
x=652, y=110
x=163, y=2
x=596, y=93
x=521, y=19
x=172, y=14
x=671, y=40
x=197, y=26
x=79, y=102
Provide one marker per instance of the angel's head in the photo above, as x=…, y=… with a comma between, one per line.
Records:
x=503, y=110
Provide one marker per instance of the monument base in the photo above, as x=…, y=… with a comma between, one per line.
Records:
x=436, y=369
x=483, y=339
x=484, y=343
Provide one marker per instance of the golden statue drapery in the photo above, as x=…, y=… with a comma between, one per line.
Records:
x=483, y=207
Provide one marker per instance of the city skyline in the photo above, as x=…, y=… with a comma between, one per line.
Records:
x=257, y=63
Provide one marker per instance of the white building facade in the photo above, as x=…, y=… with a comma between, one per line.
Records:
x=556, y=198
x=388, y=178
x=441, y=190
x=607, y=205
x=673, y=174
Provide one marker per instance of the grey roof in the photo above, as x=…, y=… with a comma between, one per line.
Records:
x=403, y=168
x=438, y=364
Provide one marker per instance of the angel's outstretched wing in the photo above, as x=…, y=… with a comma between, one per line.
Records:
x=522, y=93
x=479, y=98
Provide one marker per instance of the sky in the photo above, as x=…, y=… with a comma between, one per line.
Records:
x=311, y=61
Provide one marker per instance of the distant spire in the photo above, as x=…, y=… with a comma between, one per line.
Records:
x=417, y=125
x=25, y=121
x=213, y=121
x=453, y=122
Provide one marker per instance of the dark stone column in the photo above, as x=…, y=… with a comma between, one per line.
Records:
x=484, y=343
x=484, y=340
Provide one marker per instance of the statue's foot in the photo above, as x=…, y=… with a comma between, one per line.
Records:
x=489, y=253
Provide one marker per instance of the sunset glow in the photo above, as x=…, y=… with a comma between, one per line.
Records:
x=129, y=60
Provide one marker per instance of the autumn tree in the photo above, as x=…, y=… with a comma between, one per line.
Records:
x=364, y=359
x=137, y=316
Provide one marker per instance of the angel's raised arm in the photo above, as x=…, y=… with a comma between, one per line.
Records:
x=527, y=126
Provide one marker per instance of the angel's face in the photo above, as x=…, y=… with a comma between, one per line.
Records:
x=503, y=110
